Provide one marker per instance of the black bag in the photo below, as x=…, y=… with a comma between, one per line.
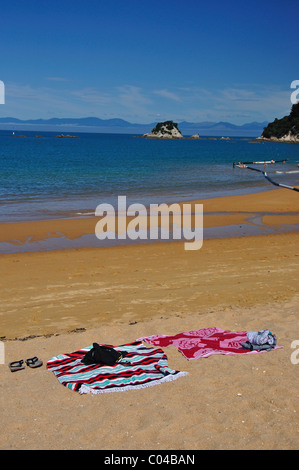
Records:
x=102, y=355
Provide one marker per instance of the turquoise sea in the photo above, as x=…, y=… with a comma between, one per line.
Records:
x=47, y=177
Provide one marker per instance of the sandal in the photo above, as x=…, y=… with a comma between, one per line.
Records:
x=33, y=362
x=17, y=365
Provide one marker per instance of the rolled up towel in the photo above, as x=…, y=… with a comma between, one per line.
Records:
x=260, y=340
x=261, y=337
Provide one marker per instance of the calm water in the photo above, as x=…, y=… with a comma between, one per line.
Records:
x=47, y=177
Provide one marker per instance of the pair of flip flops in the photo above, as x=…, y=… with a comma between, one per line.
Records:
x=32, y=362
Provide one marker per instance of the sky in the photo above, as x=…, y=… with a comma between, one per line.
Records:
x=147, y=60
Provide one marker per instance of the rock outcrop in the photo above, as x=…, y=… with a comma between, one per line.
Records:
x=283, y=130
x=165, y=130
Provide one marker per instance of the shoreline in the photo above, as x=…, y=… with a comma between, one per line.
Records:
x=86, y=212
x=47, y=292
x=268, y=212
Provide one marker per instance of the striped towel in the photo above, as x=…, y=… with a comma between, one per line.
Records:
x=141, y=367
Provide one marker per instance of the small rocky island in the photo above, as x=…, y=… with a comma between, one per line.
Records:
x=165, y=130
x=283, y=130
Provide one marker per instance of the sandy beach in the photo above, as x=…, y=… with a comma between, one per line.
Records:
x=58, y=301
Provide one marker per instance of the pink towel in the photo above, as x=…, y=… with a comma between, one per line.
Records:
x=203, y=343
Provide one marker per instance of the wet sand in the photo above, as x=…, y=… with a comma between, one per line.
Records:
x=117, y=294
x=265, y=212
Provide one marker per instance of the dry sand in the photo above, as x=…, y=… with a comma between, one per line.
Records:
x=118, y=294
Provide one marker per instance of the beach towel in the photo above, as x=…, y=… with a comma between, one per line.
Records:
x=141, y=367
x=204, y=342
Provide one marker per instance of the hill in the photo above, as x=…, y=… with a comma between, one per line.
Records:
x=285, y=129
x=95, y=124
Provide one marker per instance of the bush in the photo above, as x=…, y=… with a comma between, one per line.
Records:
x=168, y=124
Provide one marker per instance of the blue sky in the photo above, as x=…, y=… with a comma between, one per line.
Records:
x=146, y=61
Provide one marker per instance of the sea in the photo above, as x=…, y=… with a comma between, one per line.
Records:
x=45, y=177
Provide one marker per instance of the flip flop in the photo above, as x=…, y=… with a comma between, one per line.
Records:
x=17, y=365
x=33, y=362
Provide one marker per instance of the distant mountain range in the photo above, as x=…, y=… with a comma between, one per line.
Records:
x=94, y=124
